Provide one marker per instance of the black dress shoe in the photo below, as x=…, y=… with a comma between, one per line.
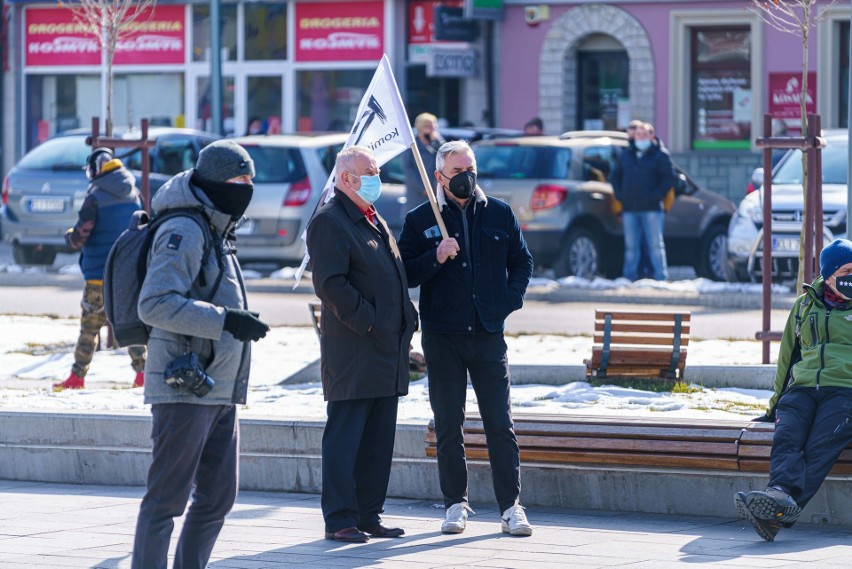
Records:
x=382, y=531
x=348, y=535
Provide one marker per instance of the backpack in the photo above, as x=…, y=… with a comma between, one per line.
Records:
x=127, y=265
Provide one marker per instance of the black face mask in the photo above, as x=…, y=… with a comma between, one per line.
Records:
x=844, y=285
x=231, y=199
x=462, y=184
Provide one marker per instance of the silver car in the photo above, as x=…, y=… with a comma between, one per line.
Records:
x=745, y=243
x=44, y=191
x=291, y=172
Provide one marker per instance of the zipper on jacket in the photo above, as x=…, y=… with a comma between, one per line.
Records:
x=822, y=349
x=814, y=330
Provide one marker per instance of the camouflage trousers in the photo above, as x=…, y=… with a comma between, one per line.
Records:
x=92, y=320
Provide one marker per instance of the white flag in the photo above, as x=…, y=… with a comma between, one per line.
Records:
x=380, y=125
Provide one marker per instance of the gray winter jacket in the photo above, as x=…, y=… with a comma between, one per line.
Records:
x=172, y=301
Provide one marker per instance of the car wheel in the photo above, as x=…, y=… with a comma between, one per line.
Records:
x=714, y=250
x=33, y=254
x=580, y=255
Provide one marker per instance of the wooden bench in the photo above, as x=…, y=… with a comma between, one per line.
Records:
x=692, y=444
x=648, y=344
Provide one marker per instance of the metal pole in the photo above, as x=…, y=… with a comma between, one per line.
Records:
x=817, y=174
x=849, y=130
x=810, y=218
x=215, y=68
x=767, y=236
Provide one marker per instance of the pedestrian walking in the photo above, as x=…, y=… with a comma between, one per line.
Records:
x=109, y=204
x=812, y=401
x=469, y=283
x=368, y=321
x=198, y=358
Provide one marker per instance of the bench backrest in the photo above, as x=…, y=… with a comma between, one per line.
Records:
x=639, y=343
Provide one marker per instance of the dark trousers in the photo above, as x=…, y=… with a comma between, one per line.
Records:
x=357, y=451
x=449, y=358
x=194, y=445
x=812, y=427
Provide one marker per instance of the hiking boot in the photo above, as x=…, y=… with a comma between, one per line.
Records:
x=765, y=528
x=140, y=379
x=514, y=521
x=74, y=381
x=773, y=504
x=456, y=519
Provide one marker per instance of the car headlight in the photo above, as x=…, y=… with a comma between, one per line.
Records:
x=750, y=208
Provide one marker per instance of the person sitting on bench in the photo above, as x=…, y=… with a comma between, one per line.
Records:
x=812, y=403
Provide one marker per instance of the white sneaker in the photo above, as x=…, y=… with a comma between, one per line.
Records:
x=456, y=518
x=514, y=521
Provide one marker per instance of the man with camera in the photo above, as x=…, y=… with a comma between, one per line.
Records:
x=199, y=351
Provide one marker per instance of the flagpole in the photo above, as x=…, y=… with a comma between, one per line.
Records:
x=428, y=187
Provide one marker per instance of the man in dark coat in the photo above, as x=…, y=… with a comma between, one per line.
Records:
x=469, y=283
x=428, y=142
x=367, y=323
x=640, y=181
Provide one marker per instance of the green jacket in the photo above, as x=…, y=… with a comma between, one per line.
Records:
x=823, y=355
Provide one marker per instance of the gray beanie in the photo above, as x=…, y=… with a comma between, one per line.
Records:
x=223, y=160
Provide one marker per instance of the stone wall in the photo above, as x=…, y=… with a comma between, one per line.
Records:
x=726, y=173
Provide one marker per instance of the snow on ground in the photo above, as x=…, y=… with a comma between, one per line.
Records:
x=39, y=351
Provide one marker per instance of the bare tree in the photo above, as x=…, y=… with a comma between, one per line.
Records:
x=796, y=17
x=111, y=21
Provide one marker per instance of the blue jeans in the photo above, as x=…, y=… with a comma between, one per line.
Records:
x=644, y=226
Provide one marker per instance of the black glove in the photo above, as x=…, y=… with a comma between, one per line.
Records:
x=244, y=325
x=765, y=418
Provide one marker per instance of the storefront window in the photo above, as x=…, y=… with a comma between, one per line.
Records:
x=265, y=31
x=201, y=32
x=204, y=120
x=263, y=105
x=721, y=88
x=57, y=103
x=328, y=100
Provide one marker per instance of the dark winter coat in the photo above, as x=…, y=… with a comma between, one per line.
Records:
x=488, y=277
x=367, y=317
x=414, y=192
x=110, y=201
x=641, y=181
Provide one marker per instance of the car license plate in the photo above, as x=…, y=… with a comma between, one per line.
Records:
x=247, y=228
x=785, y=244
x=47, y=205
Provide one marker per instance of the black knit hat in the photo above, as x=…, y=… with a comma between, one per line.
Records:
x=222, y=160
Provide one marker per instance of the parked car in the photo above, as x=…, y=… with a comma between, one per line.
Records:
x=291, y=172
x=558, y=188
x=44, y=191
x=744, y=260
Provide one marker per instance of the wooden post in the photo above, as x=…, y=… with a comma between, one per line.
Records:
x=429, y=193
x=766, y=280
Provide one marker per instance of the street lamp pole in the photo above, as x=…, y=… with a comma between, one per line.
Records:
x=849, y=130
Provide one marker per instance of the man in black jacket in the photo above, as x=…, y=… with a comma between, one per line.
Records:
x=469, y=283
x=367, y=323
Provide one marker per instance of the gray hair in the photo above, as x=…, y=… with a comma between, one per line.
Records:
x=451, y=148
x=348, y=157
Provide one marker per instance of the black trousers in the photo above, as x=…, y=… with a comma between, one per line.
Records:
x=449, y=358
x=195, y=451
x=357, y=452
x=812, y=427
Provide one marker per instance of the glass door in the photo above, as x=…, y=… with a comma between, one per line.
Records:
x=203, y=119
x=603, y=79
x=264, y=103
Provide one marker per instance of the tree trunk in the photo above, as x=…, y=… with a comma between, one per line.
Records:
x=110, y=57
x=803, y=97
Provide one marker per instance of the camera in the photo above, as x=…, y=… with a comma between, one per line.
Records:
x=186, y=372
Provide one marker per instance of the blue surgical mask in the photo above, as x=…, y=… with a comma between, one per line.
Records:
x=371, y=189
x=642, y=145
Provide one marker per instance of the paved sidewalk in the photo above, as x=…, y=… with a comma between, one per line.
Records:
x=48, y=526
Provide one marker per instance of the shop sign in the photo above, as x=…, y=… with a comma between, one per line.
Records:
x=451, y=25
x=52, y=37
x=484, y=9
x=339, y=31
x=785, y=91
x=444, y=62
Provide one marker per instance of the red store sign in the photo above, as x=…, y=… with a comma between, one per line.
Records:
x=52, y=37
x=340, y=31
x=785, y=91
x=421, y=19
